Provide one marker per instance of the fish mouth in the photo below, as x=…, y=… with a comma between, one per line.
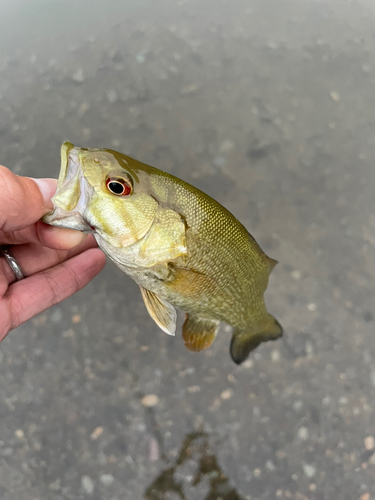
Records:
x=72, y=194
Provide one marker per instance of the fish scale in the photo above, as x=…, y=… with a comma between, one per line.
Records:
x=221, y=248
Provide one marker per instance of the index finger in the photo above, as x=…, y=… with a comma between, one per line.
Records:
x=23, y=201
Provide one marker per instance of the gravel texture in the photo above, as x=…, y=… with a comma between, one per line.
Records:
x=267, y=105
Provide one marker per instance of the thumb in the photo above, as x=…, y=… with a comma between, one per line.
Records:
x=23, y=201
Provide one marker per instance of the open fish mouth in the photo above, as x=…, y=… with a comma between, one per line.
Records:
x=72, y=193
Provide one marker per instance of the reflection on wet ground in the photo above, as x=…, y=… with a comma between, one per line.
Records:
x=197, y=451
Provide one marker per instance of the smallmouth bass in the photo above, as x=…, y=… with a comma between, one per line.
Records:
x=179, y=245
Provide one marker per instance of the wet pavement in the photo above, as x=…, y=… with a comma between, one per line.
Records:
x=269, y=107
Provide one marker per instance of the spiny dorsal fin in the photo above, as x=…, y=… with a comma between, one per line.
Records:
x=272, y=262
x=161, y=311
x=199, y=333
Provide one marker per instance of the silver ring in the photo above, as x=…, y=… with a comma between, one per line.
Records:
x=13, y=264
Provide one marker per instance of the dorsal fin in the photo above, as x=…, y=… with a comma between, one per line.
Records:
x=272, y=262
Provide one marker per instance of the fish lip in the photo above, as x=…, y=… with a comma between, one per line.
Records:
x=68, y=220
x=72, y=163
x=74, y=221
x=77, y=217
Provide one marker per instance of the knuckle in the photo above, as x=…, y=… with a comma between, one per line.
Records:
x=53, y=288
x=75, y=279
x=16, y=307
x=5, y=325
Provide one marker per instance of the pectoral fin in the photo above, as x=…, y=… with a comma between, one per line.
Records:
x=199, y=333
x=163, y=313
x=165, y=241
x=243, y=341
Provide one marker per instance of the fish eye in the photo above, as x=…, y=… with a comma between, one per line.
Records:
x=118, y=186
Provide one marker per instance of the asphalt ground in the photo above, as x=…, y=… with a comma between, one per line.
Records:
x=268, y=106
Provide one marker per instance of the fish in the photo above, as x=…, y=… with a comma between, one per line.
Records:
x=183, y=248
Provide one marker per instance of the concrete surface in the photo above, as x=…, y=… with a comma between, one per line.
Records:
x=268, y=105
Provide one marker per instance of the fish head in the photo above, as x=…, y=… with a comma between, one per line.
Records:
x=102, y=192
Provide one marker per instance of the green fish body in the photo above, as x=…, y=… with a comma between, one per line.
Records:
x=182, y=247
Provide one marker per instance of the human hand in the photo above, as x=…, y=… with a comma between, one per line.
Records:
x=55, y=262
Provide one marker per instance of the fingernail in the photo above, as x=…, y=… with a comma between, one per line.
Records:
x=47, y=187
x=67, y=238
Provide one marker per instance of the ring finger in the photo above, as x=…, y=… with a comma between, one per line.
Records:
x=33, y=258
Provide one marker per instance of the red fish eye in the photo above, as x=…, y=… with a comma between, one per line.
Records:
x=118, y=186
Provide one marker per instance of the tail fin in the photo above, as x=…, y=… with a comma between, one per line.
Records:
x=245, y=341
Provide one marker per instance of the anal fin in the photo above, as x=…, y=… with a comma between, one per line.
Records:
x=244, y=341
x=161, y=311
x=199, y=333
